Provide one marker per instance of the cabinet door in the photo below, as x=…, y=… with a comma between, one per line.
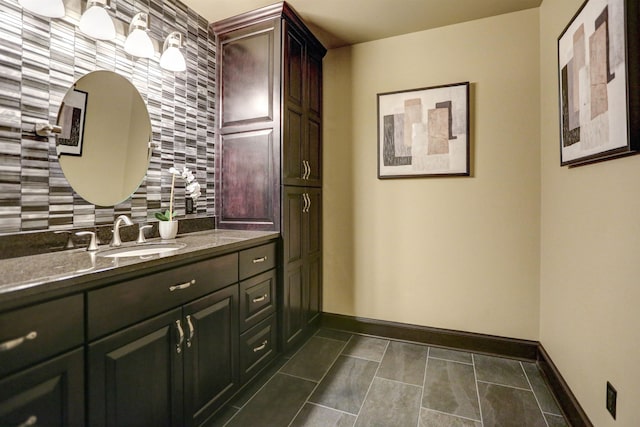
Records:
x=49, y=394
x=313, y=255
x=294, y=135
x=302, y=270
x=248, y=75
x=313, y=115
x=293, y=235
x=211, y=353
x=249, y=196
x=135, y=376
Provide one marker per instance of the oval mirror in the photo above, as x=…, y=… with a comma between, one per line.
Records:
x=103, y=148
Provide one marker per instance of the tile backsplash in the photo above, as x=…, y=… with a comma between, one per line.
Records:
x=40, y=58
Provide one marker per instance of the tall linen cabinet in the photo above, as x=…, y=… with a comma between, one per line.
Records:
x=269, y=142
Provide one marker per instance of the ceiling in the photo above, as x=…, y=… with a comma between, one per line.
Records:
x=344, y=22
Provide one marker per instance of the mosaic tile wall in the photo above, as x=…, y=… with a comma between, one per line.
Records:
x=40, y=58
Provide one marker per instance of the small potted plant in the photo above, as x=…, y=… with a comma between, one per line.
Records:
x=168, y=225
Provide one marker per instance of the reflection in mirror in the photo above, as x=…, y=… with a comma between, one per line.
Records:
x=104, y=145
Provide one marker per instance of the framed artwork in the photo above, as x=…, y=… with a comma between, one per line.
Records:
x=424, y=132
x=598, y=81
x=71, y=119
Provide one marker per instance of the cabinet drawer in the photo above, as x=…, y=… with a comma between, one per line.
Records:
x=256, y=260
x=32, y=334
x=257, y=298
x=257, y=348
x=125, y=303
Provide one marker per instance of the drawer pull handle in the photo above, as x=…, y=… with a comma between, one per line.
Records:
x=258, y=260
x=180, y=337
x=260, y=299
x=192, y=331
x=31, y=421
x=8, y=345
x=261, y=346
x=184, y=285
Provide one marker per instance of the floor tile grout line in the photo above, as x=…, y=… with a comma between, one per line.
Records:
x=506, y=385
x=265, y=383
x=396, y=381
x=362, y=358
x=451, y=415
x=328, y=338
x=424, y=380
x=534, y=395
x=551, y=413
x=333, y=409
x=297, y=376
x=475, y=376
x=375, y=374
x=449, y=360
x=344, y=345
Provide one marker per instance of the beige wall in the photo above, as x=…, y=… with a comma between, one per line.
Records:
x=457, y=253
x=590, y=244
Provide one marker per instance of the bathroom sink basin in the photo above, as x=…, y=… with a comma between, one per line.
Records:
x=141, y=250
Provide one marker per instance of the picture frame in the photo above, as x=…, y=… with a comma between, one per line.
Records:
x=599, y=101
x=424, y=132
x=71, y=118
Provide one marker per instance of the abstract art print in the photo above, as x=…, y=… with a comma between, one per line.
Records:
x=593, y=67
x=424, y=132
x=71, y=120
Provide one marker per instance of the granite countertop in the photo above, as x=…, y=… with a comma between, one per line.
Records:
x=28, y=275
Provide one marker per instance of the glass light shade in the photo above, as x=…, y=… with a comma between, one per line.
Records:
x=139, y=44
x=173, y=60
x=47, y=8
x=96, y=23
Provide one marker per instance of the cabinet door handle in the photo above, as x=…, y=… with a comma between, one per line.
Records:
x=261, y=346
x=180, y=337
x=307, y=202
x=260, y=298
x=306, y=169
x=184, y=285
x=258, y=260
x=8, y=345
x=192, y=331
x=31, y=421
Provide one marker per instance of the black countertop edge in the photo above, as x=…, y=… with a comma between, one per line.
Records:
x=14, y=295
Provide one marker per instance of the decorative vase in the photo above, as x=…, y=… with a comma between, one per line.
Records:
x=168, y=229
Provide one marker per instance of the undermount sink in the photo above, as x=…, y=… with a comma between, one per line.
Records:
x=141, y=250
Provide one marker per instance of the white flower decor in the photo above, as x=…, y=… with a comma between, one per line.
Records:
x=192, y=188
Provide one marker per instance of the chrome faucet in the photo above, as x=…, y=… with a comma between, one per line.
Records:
x=116, y=229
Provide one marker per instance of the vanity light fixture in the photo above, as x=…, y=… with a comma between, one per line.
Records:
x=138, y=42
x=172, y=59
x=96, y=22
x=46, y=8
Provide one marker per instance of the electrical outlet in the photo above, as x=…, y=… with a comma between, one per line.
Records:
x=612, y=396
x=189, y=208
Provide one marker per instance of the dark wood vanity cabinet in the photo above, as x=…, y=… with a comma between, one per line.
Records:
x=270, y=134
x=156, y=346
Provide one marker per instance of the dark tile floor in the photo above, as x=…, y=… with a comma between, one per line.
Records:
x=344, y=380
